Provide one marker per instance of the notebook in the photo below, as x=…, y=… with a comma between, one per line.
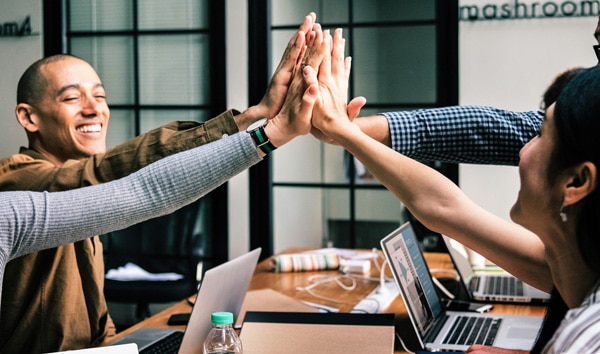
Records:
x=129, y=348
x=223, y=289
x=436, y=328
x=268, y=332
x=502, y=287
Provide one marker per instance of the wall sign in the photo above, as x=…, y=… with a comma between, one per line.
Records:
x=515, y=10
x=16, y=29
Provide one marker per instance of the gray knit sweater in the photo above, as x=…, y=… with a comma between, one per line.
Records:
x=32, y=221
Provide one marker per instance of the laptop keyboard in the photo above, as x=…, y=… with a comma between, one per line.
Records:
x=504, y=286
x=468, y=330
x=168, y=345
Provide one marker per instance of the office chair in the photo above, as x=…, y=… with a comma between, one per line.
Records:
x=176, y=242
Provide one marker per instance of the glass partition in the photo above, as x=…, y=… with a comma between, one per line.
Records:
x=395, y=50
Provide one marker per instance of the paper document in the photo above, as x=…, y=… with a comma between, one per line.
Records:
x=133, y=272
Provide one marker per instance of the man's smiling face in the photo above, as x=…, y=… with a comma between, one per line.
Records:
x=72, y=117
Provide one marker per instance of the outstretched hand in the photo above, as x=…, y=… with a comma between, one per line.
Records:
x=294, y=117
x=272, y=101
x=354, y=107
x=331, y=111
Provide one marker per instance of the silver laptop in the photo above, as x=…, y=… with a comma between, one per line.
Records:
x=481, y=286
x=223, y=288
x=436, y=328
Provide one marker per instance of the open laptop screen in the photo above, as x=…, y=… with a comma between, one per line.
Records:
x=410, y=270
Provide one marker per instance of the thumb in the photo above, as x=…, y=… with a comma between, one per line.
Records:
x=354, y=107
x=310, y=76
x=312, y=91
x=308, y=100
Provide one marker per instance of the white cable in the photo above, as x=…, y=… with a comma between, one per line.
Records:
x=318, y=279
x=402, y=344
x=362, y=277
x=442, y=288
x=447, y=271
x=382, y=286
x=376, y=256
x=439, y=285
x=380, y=267
x=321, y=279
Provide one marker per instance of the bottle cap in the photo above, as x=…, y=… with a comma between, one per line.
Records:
x=222, y=318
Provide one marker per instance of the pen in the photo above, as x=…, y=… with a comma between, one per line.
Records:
x=322, y=308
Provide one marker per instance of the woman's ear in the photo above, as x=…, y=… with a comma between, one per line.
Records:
x=582, y=181
x=24, y=116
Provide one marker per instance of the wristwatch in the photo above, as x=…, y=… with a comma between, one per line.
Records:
x=257, y=132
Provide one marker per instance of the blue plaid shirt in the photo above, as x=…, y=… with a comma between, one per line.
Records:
x=463, y=134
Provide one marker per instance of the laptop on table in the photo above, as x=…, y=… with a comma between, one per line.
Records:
x=436, y=328
x=487, y=287
x=223, y=288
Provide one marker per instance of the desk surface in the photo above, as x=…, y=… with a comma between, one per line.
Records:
x=287, y=283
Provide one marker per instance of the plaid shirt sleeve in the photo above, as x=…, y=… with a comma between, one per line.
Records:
x=463, y=134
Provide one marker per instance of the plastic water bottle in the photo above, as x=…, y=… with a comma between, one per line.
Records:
x=222, y=338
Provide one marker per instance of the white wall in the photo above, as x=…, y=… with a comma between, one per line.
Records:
x=16, y=54
x=508, y=64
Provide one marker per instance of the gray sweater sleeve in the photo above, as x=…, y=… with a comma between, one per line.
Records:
x=31, y=221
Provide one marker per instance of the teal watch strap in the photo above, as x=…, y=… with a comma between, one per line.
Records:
x=260, y=138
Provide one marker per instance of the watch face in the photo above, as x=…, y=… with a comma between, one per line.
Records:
x=259, y=123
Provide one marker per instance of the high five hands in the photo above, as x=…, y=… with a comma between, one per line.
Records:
x=331, y=111
x=308, y=91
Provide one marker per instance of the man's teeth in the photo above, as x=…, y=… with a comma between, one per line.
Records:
x=90, y=128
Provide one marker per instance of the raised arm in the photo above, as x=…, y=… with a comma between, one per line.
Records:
x=34, y=221
x=168, y=139
x=46, y=220
x=460, y=134
x=455, y=134
x=437, y=202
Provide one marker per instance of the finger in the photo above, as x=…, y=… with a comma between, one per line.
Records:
x=308, y=22
x=354, y=107
x=302, y=53
x=296, y=44
x=308, y=100
x=314, y=53
x=325, y=67
x=347, y=67
x=310, y=77
x=308, y=29
x=337, y=53
x=312, y=90
x=306, y=26
x=310, y=38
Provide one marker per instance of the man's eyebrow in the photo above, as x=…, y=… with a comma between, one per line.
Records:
x=74, y=86
x=65, y=88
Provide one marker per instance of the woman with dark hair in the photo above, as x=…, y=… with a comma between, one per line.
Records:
x=555, y=239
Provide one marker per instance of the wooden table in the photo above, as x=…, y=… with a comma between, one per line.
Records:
x=288, y=283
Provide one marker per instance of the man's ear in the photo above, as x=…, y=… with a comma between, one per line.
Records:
x=582, y=181
x=26, y=118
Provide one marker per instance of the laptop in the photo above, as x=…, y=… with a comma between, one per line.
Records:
x=223, y=288
x=436, y=328
x=488, y=287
